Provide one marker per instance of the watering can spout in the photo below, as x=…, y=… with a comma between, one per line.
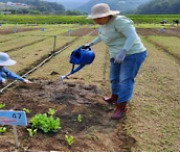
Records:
x=80, y=57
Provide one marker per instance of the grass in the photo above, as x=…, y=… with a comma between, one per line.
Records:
x=50, y=19
x=169, y=43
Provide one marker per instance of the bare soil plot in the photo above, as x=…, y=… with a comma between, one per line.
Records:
x=162, y=32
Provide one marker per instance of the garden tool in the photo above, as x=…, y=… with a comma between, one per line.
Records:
x=79, y=58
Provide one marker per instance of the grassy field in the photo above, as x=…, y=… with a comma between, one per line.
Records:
x=153, y=118
x=169, y=43
x=48, y=19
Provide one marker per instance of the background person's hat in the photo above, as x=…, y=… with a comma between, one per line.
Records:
x=5, y=60
x=101, y=10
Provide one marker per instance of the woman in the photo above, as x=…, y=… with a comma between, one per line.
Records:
x=126, y=51
x=5, y=60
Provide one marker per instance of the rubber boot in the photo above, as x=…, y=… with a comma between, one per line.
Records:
x=120, y=111
x=112, y=99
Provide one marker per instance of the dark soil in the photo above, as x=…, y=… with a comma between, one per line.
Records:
x=96, y=132
x=166, y=32
x=10, y=30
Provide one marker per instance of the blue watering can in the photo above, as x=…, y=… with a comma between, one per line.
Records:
x=79, y=57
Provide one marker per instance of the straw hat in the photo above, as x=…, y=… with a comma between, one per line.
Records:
x=5, y=60
x=101, y=10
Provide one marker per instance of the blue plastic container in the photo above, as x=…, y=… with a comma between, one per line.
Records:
x=79, y=58
x=82, y=56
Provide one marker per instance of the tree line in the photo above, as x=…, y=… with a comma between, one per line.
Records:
x=160, y=7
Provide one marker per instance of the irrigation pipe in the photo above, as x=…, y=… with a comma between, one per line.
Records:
x=36, y=67
x=39, y=65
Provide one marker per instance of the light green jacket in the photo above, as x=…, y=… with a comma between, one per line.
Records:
x=119, y=33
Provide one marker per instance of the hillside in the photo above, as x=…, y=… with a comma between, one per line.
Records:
x=35, y=6
x=70, y=4
x=160, y=7
x=123, y=6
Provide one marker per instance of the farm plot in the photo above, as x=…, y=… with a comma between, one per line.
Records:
x=170, y=44
x=152, y=123
x=96, y=72
x=154, y=118
x=26, y=49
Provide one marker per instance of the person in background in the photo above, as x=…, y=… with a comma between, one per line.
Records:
x=5, y=73
x=126, y=52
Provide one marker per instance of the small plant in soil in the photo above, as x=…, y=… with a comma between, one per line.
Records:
x=32, y=132
x=51, y=111
x=69, y=139
x=2, y=106
x=26, y=110
x=45, y=123
x=2, y=130
x=79, y=118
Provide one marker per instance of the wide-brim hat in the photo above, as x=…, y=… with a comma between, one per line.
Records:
x=5, y=60
x=101, y=10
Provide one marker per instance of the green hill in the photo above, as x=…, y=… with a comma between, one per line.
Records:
x=124, y=6
x=36, y=7
x=160, y=7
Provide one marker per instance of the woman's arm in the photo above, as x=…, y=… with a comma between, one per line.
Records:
x=12, y=75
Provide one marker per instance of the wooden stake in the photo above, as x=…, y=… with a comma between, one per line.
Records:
x=16, y=136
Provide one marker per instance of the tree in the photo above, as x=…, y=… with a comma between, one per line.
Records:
x=160, y=7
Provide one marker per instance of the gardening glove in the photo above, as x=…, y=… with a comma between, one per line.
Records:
x=120, y=56
x=87, y=46
x=3, y=81
x=26, y=81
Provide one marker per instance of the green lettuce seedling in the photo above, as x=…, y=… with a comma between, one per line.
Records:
x=2, y=106
x=26, y=110
x=32, y=132
x=79, y=118
x=69, y=140
x=51, y=111
x=2, y=130
x=45, y=123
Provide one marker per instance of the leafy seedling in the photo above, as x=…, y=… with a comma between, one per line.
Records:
x=45, y=123
x=79, y=118
x=27, y=110
x=32, y=132
x=2, y=106
x=2, y=130
x=51, y=111
x=69, y=140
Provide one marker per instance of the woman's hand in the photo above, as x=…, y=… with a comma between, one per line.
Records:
x=3, y=81
x=119, y=58
x=87, y=46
